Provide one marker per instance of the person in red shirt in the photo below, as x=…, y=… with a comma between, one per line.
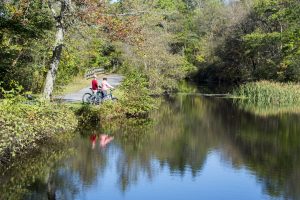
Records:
x=95, y=84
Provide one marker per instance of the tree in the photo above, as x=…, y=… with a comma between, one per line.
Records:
x=59, y=15
x=25, y=29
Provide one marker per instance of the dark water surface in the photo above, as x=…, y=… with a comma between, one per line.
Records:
x=194, y=148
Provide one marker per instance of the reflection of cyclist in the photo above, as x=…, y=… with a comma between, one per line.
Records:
x=95, y=84
x=105, y=86
x=105, y=139
x=93, y=140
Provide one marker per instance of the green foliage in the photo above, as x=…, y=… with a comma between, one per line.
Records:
x=25, y=32
x=13, y=93
x=26, y=44
x=159, y=52
x=26, y=39
x=23, y=123
x=136, y=100
x=88, y=117
x=170, y=5
x=186, y=87
x=85, y=50
x=111, y=110
x=263, y=44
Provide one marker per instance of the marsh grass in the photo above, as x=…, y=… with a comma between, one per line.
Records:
x=269, y=93
x=266, y=98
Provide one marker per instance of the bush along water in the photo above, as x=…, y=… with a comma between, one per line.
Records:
x=24, y=123
x=136, y=100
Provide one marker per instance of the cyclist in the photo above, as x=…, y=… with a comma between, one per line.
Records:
x=105, y=86
x=95, y=84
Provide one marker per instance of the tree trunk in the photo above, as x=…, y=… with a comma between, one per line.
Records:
x=14, y=63
x=59, y=38
x=51, y=74
x=51, y=188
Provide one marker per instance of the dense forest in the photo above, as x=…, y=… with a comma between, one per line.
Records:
x=165, y=41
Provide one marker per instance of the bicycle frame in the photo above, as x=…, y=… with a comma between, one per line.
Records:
x=97, y=97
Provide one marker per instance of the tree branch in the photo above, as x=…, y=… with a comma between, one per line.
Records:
x=52, y=9
x=137, y=13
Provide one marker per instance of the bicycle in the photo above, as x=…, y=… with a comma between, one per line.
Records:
x=98, y=97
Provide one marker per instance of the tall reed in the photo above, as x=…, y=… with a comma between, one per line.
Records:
x=269, y=93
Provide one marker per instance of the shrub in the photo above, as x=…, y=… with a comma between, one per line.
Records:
x=22, y=124
x=136, y=99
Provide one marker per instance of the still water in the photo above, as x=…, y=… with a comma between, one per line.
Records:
x=192, y=148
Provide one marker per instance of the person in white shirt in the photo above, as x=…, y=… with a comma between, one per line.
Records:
x=105, y=86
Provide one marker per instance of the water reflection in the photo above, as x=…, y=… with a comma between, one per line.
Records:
x=266, y=110
x=193, y=148
x=104, y=140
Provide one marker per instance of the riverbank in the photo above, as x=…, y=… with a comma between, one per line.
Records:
x=25, y=123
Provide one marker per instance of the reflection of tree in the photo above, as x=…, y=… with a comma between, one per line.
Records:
x=57, y=184
x=85, y=164
x=129, y=168
x=180, y=138
x=48, y=178
x=132, y=161
x=187, y=127
x=88, y=162
x=33, y=171
x=269, y=146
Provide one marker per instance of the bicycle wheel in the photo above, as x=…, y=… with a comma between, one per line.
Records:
x=114, y=98
x=98, y=100
x=87, y=98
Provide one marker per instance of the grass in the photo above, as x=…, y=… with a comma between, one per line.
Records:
x=266, y=92
x=75, y=85
x=266, y=98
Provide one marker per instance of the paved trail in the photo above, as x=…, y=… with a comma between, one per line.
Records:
x=113, y=79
